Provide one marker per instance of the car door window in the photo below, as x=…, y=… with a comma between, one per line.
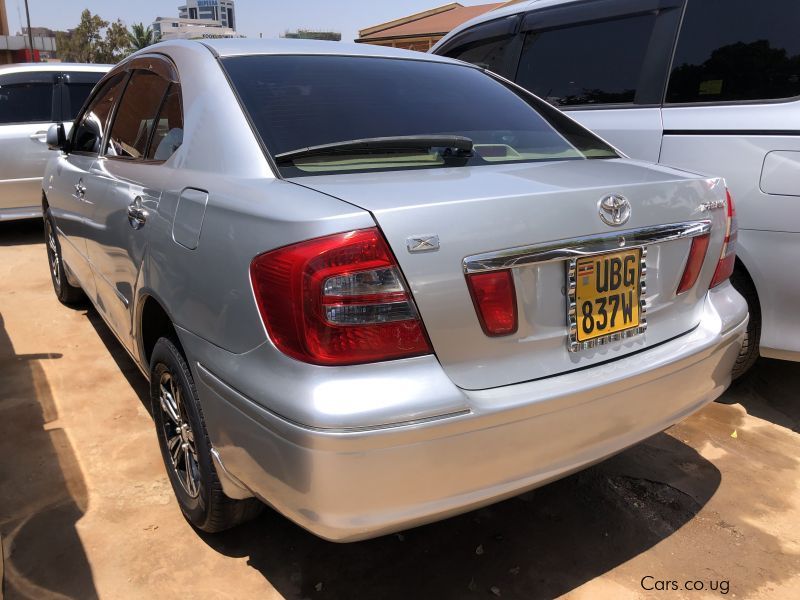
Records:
x=592, y=63
x=88, y=134
x=487, y=55
x=78, y=86
x=752, y=52
x=136, y=116
x=26, y=98
x=168, y=134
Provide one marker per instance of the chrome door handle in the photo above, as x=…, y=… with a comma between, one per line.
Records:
x=39, y=136
x=137, y=214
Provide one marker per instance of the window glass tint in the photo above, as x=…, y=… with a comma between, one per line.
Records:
x=89, y=132
x=487, y=55
x=79, y=86
x=737, y=50
x=136, y=115
x=26, y=98
x=168, y=135
x=596, y=63
x=302, y=101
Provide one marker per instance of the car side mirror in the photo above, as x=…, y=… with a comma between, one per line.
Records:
x=57, y=137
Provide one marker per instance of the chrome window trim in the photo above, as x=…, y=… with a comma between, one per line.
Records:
x=522, y=256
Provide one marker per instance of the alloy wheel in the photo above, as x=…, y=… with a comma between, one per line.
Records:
x=179, y=435
x=52, y=254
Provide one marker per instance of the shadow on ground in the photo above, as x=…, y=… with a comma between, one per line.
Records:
x=21, y=233
x=770, y=391
x=538, y=545
x=42, y=495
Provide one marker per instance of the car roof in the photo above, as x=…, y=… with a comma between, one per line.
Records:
x=257, y=46
x=53, y=66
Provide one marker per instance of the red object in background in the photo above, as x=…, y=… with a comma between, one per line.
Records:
x=22, y=56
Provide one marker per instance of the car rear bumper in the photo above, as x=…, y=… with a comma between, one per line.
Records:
x=25, y=212
x=351, y=484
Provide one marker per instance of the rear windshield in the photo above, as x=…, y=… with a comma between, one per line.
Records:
x=297, y=102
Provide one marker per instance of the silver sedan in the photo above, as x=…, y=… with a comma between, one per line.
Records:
x=375, y=288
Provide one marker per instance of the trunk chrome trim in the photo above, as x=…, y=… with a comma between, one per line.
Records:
x=521, y=256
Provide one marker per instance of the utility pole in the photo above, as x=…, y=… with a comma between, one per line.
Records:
x=30, y=32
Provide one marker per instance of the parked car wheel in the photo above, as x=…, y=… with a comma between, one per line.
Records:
x=65, y=292
x=750, y=347
x=185, y=446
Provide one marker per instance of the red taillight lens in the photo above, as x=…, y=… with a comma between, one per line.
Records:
x=697, y=255
x=495, y=301
x=337, y=300
x=728, y=257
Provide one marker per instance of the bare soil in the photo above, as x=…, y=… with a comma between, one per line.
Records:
x=86, y=509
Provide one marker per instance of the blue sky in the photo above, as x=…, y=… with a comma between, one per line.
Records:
x=270, y=17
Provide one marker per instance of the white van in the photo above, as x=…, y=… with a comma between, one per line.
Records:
x=33, y=96
x=711, y=86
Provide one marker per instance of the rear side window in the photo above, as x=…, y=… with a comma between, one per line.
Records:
x=136, y=115
x=168, y=134
x=90, y=130
x=26, y=98
x=593, y=63
x=78, y=87
x=731, y=50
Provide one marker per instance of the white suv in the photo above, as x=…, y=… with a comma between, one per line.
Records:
x=711, y=86
x=32, y=97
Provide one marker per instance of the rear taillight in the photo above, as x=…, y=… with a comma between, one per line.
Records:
x=337, y=300
x=495, y=300
x=697, y=255
x=728, y=256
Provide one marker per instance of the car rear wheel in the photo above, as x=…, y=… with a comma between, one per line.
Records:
x=65, y=292
x=185, y=446
x=749, y=353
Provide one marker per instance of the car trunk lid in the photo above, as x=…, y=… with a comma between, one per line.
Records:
x=497, y=211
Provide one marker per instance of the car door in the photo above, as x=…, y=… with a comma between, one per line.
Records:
x=73, y=191
x=144, y=133
x=604, y=63
x=27, y=109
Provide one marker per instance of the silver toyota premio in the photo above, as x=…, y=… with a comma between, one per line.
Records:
x=376, y=288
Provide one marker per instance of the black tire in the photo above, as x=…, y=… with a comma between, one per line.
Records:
x=749, y=353
x=65, y=292
x=200, y=495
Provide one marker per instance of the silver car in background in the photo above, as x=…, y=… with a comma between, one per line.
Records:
x=374, y=288
x=32, y=98
x=672, y=88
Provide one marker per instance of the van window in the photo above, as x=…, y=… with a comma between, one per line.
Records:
x=26, y=98
x=486, y=55
x=593, y=63
x=737, y=50
x=78, y=87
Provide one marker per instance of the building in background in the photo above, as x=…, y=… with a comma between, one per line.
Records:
x=210, y=10
x=422, y=30
x=172, y=28
x=308, y=34
x=16, y=48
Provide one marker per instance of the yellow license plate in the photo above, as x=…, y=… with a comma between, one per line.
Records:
x=607, y=289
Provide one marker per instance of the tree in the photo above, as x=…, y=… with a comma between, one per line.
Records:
x=140, y=36
x=94, y=40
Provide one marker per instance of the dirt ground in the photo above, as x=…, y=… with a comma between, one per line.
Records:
x=86, y=509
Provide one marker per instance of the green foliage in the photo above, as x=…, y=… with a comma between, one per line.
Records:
x=140, y=36
x=94, y=40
